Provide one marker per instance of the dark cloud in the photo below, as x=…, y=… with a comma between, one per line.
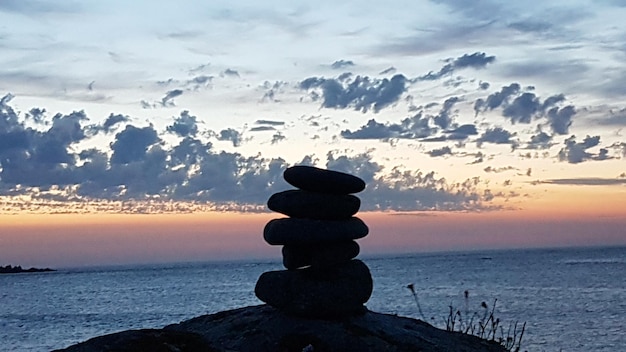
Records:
x=168, y=99
x=371, y=130
x=184, y=125
x=230, y=73
x=37, y=115
x=440, y=152
x=495, y=100
x=527, y=106
x=199, y=82
x=278, y=137
x=269, y=123
x=496, y=135
x=387, y=71
x=476, y=60
x=361, y=93
x=524, y=107
x=110, y=124
x=444, y=119
x=498, y=170
x=341, y=64
x=577, y=152
x=560, y=119
x=541, y=140
x=231, y=135
x=586, y=181
x=415, y=127
x=262, y=128
x=462, y=132
x=132, y=144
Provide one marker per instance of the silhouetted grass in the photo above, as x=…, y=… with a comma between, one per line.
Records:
x=481, y=323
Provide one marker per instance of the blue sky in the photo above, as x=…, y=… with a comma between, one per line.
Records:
x=437, y=105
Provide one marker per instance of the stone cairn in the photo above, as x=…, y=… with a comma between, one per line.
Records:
x=322, y=280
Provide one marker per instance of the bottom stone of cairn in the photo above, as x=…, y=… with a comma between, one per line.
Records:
x=315, y=293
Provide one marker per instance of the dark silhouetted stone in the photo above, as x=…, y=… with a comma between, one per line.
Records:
x=313, y=179
x=318, y=293
x=302, y=232
x=312, y=205
x=319, y=256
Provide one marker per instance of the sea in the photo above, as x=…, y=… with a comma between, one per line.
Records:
x=571, y=299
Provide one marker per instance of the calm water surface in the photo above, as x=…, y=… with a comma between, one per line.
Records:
x=571, y=299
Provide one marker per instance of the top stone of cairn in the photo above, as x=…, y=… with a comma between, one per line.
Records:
x=313, y=179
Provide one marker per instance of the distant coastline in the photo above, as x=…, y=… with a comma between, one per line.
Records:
x=9, y=269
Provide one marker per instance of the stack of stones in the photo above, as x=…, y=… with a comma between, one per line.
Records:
x=322, y=280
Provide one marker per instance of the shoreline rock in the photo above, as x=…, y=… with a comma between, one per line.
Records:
x=18, y=270
x=263, y=328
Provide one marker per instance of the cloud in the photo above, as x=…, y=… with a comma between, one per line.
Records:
x=524, y=107
x=278, y=137
x=499, y=169
x=139, y=168
x=269, y=123
x=230, y=73
x=361, y=93
x=461, y=132
x=440, y=152
x=577, y=152
x=415, y=127
x=132, y=144
x=37, y=115
x=231, y=135
x=110, y=124
x=262, y=128
x=496, y=135
x=586, y=181
x=184, y=125
x=168, y=99
x=341, y=64
x=541, y=140
x=527, y=106
x=496, y=99
x=444, y=119
x=560, y=119
x=371, y=130
x=476, y=60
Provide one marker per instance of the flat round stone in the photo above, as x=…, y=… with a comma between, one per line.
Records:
x=314, y=179
x=313, y=205
x=317, y=294
x=304, y=232
x=319, y=256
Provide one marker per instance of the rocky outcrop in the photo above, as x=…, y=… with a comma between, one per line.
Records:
x=264, y=328
x=18, y=269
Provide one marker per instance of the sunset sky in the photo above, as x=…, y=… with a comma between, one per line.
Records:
x=154, y=131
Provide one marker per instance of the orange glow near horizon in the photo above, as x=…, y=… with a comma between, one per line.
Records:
x=547, y=216
x=590, y=217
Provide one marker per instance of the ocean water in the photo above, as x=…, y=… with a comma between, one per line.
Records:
x=571, y=299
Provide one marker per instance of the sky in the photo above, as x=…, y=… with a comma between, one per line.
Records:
x=153, y=131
